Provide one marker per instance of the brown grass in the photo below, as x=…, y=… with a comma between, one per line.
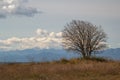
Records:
x=74, y=69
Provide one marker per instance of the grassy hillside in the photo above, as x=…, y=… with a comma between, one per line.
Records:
x=74, y=69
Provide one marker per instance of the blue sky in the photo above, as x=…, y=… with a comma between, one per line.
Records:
x=25, y=19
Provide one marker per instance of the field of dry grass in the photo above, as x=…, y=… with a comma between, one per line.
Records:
x=64, y=70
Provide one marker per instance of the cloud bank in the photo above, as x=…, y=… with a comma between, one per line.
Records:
x=16, y=7
x=42, y=40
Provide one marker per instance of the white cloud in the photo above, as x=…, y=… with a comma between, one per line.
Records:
x=41, y=32
x=59, y=34
x=8, y=1
x=43, y=40
x=52, y=34
x=16, y=7
x=12, y=6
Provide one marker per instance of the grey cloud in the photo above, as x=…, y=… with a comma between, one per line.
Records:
x=17, y=8
x=2, y=16
x=26, y=11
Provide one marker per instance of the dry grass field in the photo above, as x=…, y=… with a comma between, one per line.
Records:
x=74, y=69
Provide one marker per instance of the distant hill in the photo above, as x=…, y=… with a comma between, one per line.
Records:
x=111, y=54
x=36, y=55
x=44, y=55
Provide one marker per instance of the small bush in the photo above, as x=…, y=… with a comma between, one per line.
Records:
x=78, y=60
x=99, y=59
x=64, y=61
x=74, y=60
x=71, y=61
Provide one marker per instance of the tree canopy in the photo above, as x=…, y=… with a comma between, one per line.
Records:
x=83, y=37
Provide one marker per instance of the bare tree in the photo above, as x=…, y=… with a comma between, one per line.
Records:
x=83, y=37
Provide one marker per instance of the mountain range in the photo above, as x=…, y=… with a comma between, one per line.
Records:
x=44, y=55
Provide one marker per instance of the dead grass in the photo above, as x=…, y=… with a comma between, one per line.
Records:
x=74, y=69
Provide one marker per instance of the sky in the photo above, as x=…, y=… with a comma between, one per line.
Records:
x=28, y=24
